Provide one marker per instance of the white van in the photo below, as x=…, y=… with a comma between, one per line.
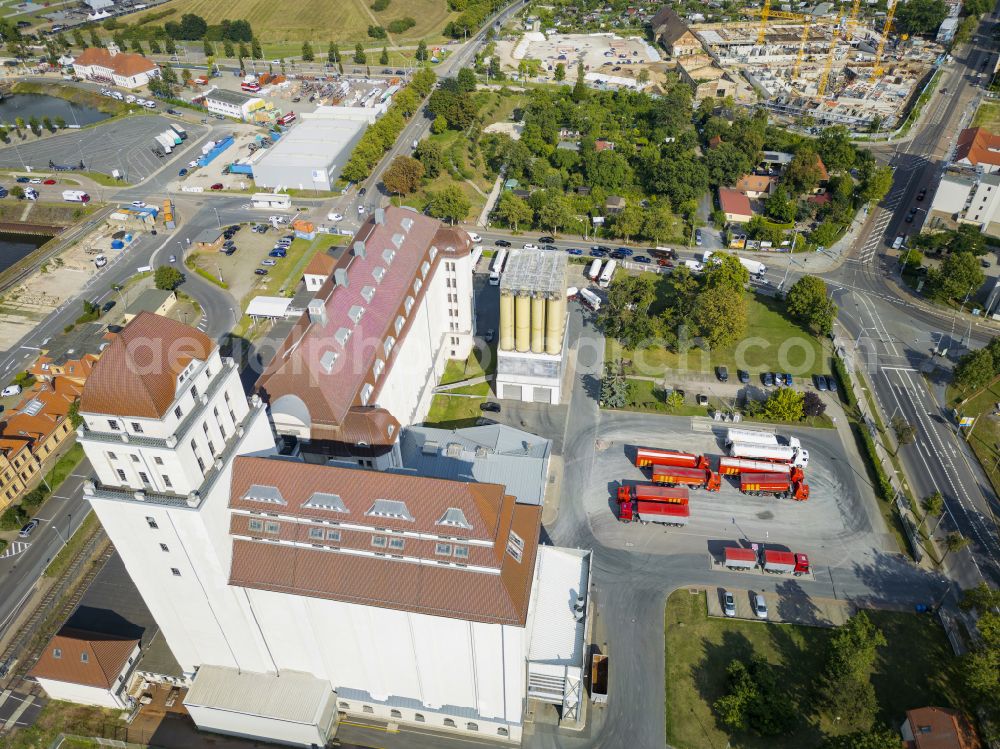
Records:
x=898, y=242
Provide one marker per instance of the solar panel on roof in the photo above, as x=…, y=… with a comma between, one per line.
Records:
x=262, y=493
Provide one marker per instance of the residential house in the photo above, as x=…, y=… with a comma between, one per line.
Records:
x=756, y=186
x=967, y=200
x=235, y=104
x=978, y=148
x=735, y=205
x=157, y=301
x=318, y=271
x=88, y=668
x=937, y=728
x=603, y=145
x=614, y=204
x=110, y=65
x=71, y=356
x=670, y=30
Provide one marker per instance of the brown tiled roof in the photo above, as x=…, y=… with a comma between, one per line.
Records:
x=137, y=374
x=296, y=368
x=940, y=728
x=978, y=145
x=53, y=400
x=124, y=63
x=106, y=657
x=320, y=265
x=753, y=183
x=668, y=25
x=731, y=201
x=500, y=596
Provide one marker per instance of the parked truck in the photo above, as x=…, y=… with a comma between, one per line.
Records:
x=665, y=513
x=594, y=272
x=167, y=144
x=599, y=678
x=171, y=136
x=737, y=466
x=179, y=130
x=775, y=453
x=699, y=478
x=740, y=559
x=779, y=484
x=647, y=456
x=76, y=196
x=785, y=562
x=754, y=267
x=591, y=299
x=753, y=437
x=653, y=493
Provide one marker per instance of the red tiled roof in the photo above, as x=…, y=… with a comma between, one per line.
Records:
x=137, y=374
x=124, y=63
x=940, y=728
x=977, y=145
x=499, y=596
x=105, y=658
x=753, y=183
x=823, y=174
x=731, y=201
x=320, y=265
x=297, y=369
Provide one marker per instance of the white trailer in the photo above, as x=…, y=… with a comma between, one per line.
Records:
x=172, y=136
x=594, y=271
x=591, y=299
x=166, y=143
x=607, y=274
x=754, y=268
x=784, y=453
x=694, y=266
x=76, y=196
x=751, y=437
x=496, y=269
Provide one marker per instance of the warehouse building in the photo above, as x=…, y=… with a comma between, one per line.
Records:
x=312, y=154
x=235, y=104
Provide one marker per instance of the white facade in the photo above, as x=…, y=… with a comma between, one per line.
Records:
x=113, y=697
x=529, y=377
x=984, y=207
x=967, y=200
x=234, y=104
x=124, y=69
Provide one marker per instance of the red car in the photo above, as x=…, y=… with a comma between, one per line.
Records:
x=664, y=263
x=49, y=182
x=217, y=186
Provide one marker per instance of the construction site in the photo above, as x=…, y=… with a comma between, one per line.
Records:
x=833, y=66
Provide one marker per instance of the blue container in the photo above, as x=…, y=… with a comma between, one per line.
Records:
x=117, y=244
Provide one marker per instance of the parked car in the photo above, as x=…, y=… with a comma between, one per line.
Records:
x=23, y=180
x=626, y=251
x=108, y=306
x=664, y=263
x=217, y=186
x=743, y=376
x=10, y=390
x=502, y=243
x=531, y=246
x=550, y=248
x=490, y=406
x=268, y=262
x=819, y=381
x=728, y=604
x=597, y=252
x=922, y=194
x=546, y=240
x=759, y=605
x=779, y=378
x=722, y=373
x=277, y=252
x=641, y=259
x=182, y=173
x=173, y=258
x=361, y=210
x=831, y=382
x=574, y=251
x=697, y=237
x=363, y=191
x=334, y=216
x=490, y=335
x=49, y=182
x=138, y=204
x=35, y=180
x=767, y=378
x=260, y=271
x=788, y=380
x=702, y=399
x=27, y=528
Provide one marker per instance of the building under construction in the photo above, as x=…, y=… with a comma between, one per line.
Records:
x=828, y=64
x=530, y=354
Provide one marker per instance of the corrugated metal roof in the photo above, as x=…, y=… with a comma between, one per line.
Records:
x=293, y=696
x=557, y=631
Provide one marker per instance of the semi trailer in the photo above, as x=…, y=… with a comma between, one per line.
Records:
x=797, y=456
x=699, y=478
x=653, y=493
x=665, y=513
x=645, y=457
x=753, y=437
x=737, y=466
x=777, y=484
x=740, y=559
x=784, y=562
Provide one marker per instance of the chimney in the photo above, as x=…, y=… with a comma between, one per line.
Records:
x=359, y=249
x=317, y=312
x=379, y=215
x=340, y=277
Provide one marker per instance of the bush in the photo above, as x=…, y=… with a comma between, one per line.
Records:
x=846, y=391
x=380, y=5
x=401, y=24
x=34, y=498
x=377, y=32
x=13, y=518
x=168, y=278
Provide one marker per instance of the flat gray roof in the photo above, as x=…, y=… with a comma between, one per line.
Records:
x=312, y=143
x=236, y=98
x=535, y=271
x=294, y=696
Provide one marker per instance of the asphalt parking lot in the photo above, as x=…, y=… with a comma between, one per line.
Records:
x=835, y=525
x=122, y=144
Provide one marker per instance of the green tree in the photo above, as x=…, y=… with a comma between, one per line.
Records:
x=256, y=50
x=430, y=154
x=359, y=55
x=953, y=542
x=835, y=148
x=449, y=204
x=78, y=39
x=754, y=700
x=95, y=40
x=660, y=223
x=877, y=184
x=513, y=210
x=154, y=47
x=35, y=124
x=16, y=192
x=628, y=223
x=421, y=51
x=957, y=277
x=720, y=316
x=466, y=80
x=333, y=53
x=406, y=101
x=614, y=387
x=933, y=504
x=47, y=124
x=880, y=737
x=905, y=433
x=921, y=16
x=137, y=47
x=403, y=175
x=803, y=172
x=560, y=72
x=580, y=92
x=73, y=412
x=60, y=123
x=726, y=271
x=785, y=404
x=555, y=214
x=167, y=278
x=228, y=50
x=808, y=303
x=170, y=47
x=845, y=689
x=208, y=49
x=383, y=59
x=439, y=125
x=244, y=53
x=674, y=401
x=780, y=206
x=192, y=27
x=625, y=316
x=307, y=52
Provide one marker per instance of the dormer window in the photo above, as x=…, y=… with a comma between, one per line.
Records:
x=378, y=367
x=390, y=508
x=366, y=393
x=327, y=361
x=515, y=546
x=355, y=313
x=397, y=239
x=408, y=304
x=455, y=518
x=417, y=286
x=406, y=223
x=378, y=273
x=388, y=255
x=342, y=335
x=399, y=323
x=368, y=292
x=425, y=268
x=388, y=345
x=434, y=253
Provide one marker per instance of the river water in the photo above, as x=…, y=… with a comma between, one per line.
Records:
x=27, y=106
x=13, y=247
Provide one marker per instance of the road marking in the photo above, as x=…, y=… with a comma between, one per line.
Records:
x=15, y=548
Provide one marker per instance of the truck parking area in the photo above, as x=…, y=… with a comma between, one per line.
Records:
x=836, y=524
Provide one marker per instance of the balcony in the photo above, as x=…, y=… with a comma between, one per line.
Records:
x=96, y=490
x=167, y=443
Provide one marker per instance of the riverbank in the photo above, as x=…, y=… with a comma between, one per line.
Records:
x=80, y=96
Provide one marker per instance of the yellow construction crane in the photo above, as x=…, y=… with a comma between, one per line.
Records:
x=802, y=47
x=765, y=12
x=852, y=22
x=823, y=79
x=877, y=70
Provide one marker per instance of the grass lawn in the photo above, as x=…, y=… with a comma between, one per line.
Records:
x=988, y=116
x=772, y=343
x=319, y=21
x=65, y=465
x=455, y=148
x=64, y=717
x=916, y=668
x=452, y=412
x=456, y=370
x=984, y=437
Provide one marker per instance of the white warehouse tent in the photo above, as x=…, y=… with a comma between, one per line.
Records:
x=270, y=307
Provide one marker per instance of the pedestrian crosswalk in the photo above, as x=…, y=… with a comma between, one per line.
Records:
x=15, y=548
